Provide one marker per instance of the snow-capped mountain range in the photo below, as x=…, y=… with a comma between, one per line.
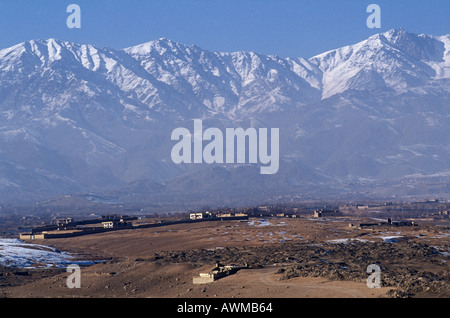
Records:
x=84, y=119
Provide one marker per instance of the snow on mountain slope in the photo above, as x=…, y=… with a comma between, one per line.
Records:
x=393, y=60
x=79, y=118
x=169, y=77
x=234, y=84
x=442, y=67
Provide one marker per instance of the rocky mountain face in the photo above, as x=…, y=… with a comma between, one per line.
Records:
x=369, y=119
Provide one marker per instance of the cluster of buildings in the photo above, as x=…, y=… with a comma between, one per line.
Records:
x=112, y=221
x=67, y=227
x=209, y=215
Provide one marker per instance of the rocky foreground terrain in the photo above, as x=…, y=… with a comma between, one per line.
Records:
x=284, y=258
x=400, y=263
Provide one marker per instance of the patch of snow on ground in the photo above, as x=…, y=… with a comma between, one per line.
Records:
x=261, y=222
x=17, y=253
x=347, y=240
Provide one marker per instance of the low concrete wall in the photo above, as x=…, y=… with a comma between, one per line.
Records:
x=93, y=230
x=203, y=279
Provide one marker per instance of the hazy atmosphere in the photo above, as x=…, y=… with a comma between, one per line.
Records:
x=210, y=149
x=86, y=111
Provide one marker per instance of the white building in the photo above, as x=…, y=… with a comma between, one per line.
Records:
x=196, y=216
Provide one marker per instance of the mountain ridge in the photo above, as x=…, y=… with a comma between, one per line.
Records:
x=76, y=118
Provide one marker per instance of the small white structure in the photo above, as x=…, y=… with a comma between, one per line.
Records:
x=196, y=216
x=204, y=278
x=108, y=225
x=218, y=272
x=115, y=224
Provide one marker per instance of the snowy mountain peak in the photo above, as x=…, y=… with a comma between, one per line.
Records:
x=225, y=82
x=41, y=51
x=395, y=33
x=160, y=46
x=422, y=47
x=395, y=59
x=80, y=118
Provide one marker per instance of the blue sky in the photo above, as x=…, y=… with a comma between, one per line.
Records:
x=294, y=28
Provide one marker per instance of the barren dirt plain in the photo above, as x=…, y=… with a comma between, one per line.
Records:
x=286, y=258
